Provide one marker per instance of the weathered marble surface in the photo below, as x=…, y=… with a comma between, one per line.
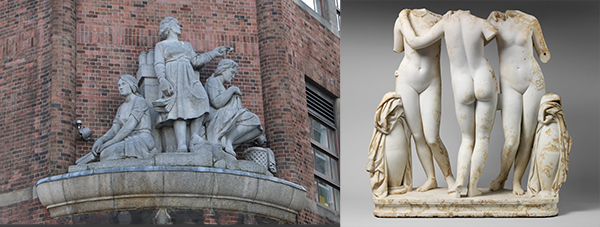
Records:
x=473, y=83
x=389, y=160
x=522, y=86
x=551, y=148
x=438, y=203
x=476, y=99
x=418, y=82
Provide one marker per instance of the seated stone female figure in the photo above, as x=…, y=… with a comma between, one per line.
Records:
x=130, y=135
x=229, y=123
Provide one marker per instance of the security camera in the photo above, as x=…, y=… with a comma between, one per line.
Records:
x=85, y=133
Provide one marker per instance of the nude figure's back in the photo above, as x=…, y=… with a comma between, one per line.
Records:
x=464, y=42
x=472, y=76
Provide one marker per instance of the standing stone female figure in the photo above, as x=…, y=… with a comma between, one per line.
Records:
x=184, y=99
x=522, y=84
x=419, y=84
x=474, y=86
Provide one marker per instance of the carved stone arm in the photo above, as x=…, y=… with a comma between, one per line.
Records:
x=539, y=43
x=419, y=42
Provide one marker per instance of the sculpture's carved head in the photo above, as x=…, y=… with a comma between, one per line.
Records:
x=130, y=81
x=227, y=68
x=169, y=24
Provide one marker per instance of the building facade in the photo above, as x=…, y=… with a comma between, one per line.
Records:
x=60, y=59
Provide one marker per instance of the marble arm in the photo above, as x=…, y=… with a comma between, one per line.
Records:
x=493, y=18
x=398, y=37
x=489, y=32
x=539, y=43
x=434, y=34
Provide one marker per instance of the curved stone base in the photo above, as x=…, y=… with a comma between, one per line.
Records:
x=165, y=187
x=173, y=216
x=438, y=203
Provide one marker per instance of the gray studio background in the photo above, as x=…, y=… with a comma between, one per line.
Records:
x=571, y=31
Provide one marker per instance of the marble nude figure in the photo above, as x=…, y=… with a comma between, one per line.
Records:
x=473, y=83
x=522, y=85
x=533, y=120
x=418, y=83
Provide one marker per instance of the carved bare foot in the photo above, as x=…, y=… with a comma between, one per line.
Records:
x=517, y=190
x=497, y=184
x=428, y=185
x=473, y=192
x=454, y=188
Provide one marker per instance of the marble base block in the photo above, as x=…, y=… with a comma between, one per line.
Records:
x=438, y=203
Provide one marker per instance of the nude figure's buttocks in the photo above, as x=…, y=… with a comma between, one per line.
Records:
x=474, y=86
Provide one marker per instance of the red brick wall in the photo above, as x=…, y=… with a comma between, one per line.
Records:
x=37, y=85
x=63, y=131
x=292, y=49
x=310, y=217
x=28, y=212
x=25, y=68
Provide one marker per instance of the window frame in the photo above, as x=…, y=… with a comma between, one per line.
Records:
x=333, y=153
x=327, y=10
x=324, y=177
x=335, y=193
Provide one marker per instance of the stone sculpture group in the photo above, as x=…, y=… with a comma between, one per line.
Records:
x=183, y=112
x=533, y=121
